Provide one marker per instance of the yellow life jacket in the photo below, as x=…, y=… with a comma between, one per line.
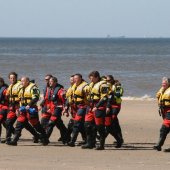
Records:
x=27, y=94
x=164, y=97
x=13, y=91
x=79, y=93
x=89, y=95
x=99, y=90
x=158, y=94
x=119, y=90
x=69, y=95
x=69, y=92
x=113, y=87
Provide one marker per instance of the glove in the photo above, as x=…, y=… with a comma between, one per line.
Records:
x=22, y=109
x=32, y=111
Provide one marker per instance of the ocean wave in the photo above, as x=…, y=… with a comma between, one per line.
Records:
x=142, y=98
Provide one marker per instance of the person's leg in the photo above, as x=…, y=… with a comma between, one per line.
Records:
x=163, y=133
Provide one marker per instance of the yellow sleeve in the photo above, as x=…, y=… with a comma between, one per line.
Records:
x=159, y=93
x=35, y=92
x=104, y=91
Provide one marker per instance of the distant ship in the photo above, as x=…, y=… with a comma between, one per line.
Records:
x=109, y=36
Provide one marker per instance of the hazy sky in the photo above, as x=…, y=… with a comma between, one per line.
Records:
x=84, y=18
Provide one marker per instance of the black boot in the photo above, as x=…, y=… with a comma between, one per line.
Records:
x=115, y=133
x=102, y=134
x=102, y=142
x=160, y=143
x=119, y=131
x=119, y=140
x=9, y=130
x=88, y=145
x=63, y=131
x=45, y=141
x=84, y=140
x=163, y=133
x=73, y=139
x=44, y=137
x=30, y=128
x=14, y=141
x=157, y=147
x=36, y=139
x=70, y=129
x=90, y=140
x=167, y=150
x=90, y=135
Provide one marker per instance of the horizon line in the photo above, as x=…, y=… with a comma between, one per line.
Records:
x=110, y=37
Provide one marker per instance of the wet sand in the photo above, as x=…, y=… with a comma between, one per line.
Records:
x=140, y=124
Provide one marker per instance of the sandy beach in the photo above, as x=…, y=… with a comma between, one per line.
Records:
x=140, y=124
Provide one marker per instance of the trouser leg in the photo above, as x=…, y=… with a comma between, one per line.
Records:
x=42, y=132
x=118, y=128
x=83, y=132
x=30, y=128
x=89, y=128
x=74, y=137
x=76, y=130
x=163, y=133
x=70, y=129
x=17, y=134
x=44, y=122
x=115, y=133
x=101, y=130
x=50, y=127
x=9, y=128
x=63, y=130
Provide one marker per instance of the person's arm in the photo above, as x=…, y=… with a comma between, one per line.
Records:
x=35, y=94
x=104, y=90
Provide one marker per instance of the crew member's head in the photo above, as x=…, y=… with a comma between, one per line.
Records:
x=94, y=76
x=77, y=79
x=25, y=81
x=165, y=82
x=110, y=79
x=47, y=78
x=13, y=77
x=53, y=81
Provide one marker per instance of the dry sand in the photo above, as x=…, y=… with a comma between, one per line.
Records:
x=140, y=125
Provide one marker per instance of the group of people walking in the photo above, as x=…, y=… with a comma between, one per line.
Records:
x=93, y=108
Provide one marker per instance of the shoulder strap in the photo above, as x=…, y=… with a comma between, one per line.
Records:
x=58, y=87
x=44, y=91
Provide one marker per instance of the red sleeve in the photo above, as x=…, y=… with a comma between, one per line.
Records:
x=61, y=96
x=5, y=92
x=5, y=96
